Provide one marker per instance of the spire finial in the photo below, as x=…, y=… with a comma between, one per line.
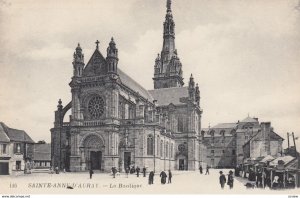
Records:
x=169, y=4
x=97, y=44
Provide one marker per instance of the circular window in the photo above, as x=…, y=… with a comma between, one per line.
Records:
x=96, y=107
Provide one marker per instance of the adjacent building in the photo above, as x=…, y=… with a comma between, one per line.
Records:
x=16, y=148
x=42, y=155
x=230, y=144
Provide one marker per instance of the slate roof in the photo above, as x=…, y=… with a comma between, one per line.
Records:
x=165, y=96
x=3, y=135
x=267, y=158
x=249, y=119
x=42, y=152
x=285, y=159
x=16, y=134
x=135, y=86
x=225, y=125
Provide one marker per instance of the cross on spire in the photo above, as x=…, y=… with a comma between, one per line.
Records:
x=97, y=44
x=169, y=4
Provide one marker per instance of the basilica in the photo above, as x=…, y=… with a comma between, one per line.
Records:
x=115, y=122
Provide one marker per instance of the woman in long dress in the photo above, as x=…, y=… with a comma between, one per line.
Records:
x=163, y=176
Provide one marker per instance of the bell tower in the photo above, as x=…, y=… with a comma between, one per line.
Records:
x=168, y=68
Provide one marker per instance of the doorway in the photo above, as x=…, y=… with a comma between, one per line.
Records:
x=127, y=159
x=4, y=168
x=181, y=164
x=96, y=158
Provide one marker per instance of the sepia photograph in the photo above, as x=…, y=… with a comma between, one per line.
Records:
x=144, y=97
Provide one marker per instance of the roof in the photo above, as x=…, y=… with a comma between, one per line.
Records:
x=285, y=159
x=42, y=152
x=16, y=134
x=274, y=135
x=3, y=136
x=249, y=119
x=165, y=96
x=225, y=126
x=92, y=69
x=267, y=158
x=132, y=84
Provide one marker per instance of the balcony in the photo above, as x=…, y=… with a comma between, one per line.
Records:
x=93, y=123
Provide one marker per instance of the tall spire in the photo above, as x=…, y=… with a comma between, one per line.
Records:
x=167, y=69
x=169, y=2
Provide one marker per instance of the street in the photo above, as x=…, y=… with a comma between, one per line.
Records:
x=183, y=182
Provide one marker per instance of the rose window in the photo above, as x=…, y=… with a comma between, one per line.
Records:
x=96, y=107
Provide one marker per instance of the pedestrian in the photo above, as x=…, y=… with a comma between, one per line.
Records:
x=127, y=171
x=163, y=176
x=222, y=179
x=230, y=179
x=207, y=170
x=114, y=171
x=91, y=173
x=137, y=171
x=200, y=168
x=144, y=171
x=170, y=177
x=151, y=177
x=56, y=170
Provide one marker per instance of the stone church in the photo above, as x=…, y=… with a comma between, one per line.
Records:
x=116, y=122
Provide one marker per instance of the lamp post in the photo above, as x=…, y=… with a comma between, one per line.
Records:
x=298, y=162
x=154, y=150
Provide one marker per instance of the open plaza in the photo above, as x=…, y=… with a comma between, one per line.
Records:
x=183, y=182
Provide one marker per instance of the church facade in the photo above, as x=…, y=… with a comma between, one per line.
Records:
x=115, y=122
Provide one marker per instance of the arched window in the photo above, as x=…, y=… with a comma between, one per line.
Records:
x=150, y=145
x=171, y=152
x=167, y=149
x=157, y=143
x=180, y=124
x=161, y=147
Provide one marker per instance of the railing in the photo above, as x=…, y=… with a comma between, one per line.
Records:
x=93, y=123
x=66, y=124
x=91, y=79
x=127, y=122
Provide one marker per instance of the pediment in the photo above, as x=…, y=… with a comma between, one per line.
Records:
x=96, y=66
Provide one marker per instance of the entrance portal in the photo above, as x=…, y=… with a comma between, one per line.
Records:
x=181, y=164
x=127, y=159
x=96, y=158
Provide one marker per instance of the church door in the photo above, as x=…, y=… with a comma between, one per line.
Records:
x=181, y=164
x=96, y=157
x=127, y=159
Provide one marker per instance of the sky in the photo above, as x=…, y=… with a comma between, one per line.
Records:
x=244, y=55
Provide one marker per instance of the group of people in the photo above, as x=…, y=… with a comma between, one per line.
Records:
x=207, y=170
x=222, y=179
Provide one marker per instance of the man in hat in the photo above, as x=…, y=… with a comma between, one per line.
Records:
x=144, y=171
x=200, y=168
x=230, y=179
x=222, y=179
x=91, y=173
x=170, y=177
x=137, y=171
x=207, y=170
